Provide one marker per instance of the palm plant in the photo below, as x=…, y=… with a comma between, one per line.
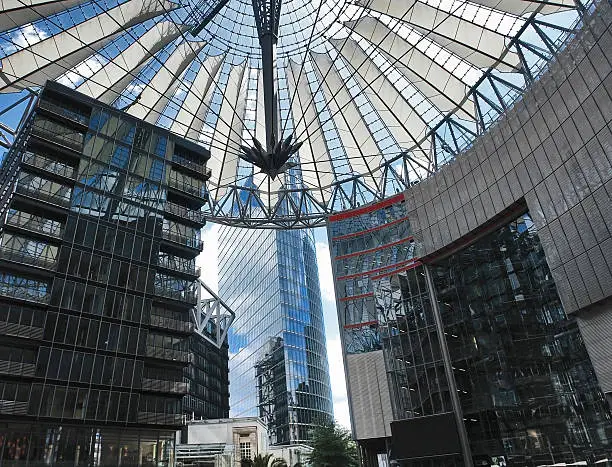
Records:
x=265, y=460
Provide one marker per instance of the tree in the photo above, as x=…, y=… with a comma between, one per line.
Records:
x=266, y=460
x=333, y=447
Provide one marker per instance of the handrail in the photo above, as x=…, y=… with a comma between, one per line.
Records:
x=199, y=192
x=171, y=262
x=168, y=354
x=171, y=323
x=159, y=385
x=35, y=223
x=196, y=167
x=45, y=195
x=47, y=164
x=64, y=112
x=183, y=240
x=184, y=212
x=72, y=143
x=18, y=256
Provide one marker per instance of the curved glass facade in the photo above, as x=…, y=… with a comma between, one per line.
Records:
x=278, y=359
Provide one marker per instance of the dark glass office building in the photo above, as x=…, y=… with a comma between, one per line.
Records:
x=278, y=358
x=100, y=229
x=467, y=356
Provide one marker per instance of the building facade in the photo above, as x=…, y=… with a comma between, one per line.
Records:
x=494, y=340
x=100, y=229
x=368, y=244
x=278, y=359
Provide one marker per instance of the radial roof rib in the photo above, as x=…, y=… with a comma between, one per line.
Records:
x=227, y=138
x=468, y=35
x=51, y=57
x=447, y=85
x=317, y=171
x=15, y=13
x=108, y=82
x=519, y=8
x=160, y=89
x=404, y=122
x=363, y=152
x=189, y=120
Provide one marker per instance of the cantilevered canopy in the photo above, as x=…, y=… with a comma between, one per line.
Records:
x=380, y=92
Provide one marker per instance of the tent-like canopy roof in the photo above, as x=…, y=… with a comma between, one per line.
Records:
x=380, y=92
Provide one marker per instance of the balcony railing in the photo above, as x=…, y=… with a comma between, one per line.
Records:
x=49, y=165
x=171, y=323
x=35, y=223
x=190, y=242
x=25, y=293
x=17, y=368
x=181, y=295
x=191, y=165
x=45, y=195
x=64, y=112
x=160, y=418
x=174, y=264
x=13, y=407
x=19, y=256
x=21, y=330
x=168, y=354
x=72, y=141
x=185, y=213
x=193, y=190
x=158, y=385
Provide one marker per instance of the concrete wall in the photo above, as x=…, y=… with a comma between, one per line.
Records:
x=552, y=150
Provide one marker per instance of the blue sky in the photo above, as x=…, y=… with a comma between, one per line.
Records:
x=208, y=261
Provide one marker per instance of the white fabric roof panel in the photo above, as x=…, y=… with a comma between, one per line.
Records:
x=403, y=121
x=317, y=170
x=51, y=57
x=107, y=83
x=19, y=12
x=161, y=88
x=190, y=117
x=359, y=144
x=228, y=132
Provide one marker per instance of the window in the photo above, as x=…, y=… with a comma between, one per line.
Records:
x=245, y=450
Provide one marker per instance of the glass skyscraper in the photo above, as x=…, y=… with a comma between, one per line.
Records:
x=278, y=359
x=100, y=229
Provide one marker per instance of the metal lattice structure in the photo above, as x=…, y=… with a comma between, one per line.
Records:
x=212, y=318
x=382, y=93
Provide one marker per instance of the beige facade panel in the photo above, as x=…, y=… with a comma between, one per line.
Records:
x=369, y=396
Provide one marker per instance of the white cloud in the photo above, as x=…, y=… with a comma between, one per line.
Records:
x=134, y=89
x=82, y=71
x=338, y=382
x=28, y=35
x=207, y=260
x=326, y=277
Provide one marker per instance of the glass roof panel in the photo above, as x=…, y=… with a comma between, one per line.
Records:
x=381, y=93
